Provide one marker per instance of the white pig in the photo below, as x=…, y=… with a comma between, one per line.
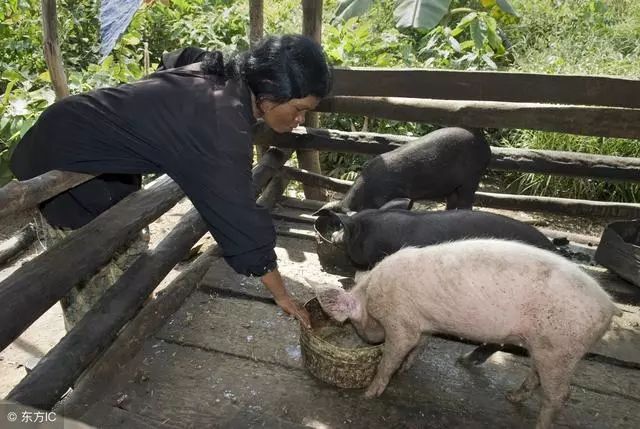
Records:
x=485, y=290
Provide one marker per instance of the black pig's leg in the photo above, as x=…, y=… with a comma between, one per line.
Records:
x=479, y=355
x=452, y=200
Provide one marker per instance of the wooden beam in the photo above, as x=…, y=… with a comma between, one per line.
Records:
x=557, y=205
x=582, y=120
x=63, y=364
x=310, y=159
x=488, y=86
x=256, y=32
x=17, y=196
x=503, y=201
x=319, y=180
x=273, y=192
x=14, y=246
x=38, y=284
x=560, y=163
x=92, y=384
x=52, y=54
x=256, y=21
x=268, y=166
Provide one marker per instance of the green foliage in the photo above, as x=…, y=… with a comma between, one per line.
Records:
x=560, y=36
x=537, y=184
x=24, y=82
x=417, y=14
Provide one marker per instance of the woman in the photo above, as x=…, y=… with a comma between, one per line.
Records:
x=194, y=124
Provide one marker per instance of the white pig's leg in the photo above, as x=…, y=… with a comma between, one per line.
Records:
x=413, y=354
x=526, y=389
x=555, y=369
x=397, y=346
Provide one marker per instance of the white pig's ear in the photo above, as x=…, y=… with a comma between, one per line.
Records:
x=338, y=303
x=398, y=203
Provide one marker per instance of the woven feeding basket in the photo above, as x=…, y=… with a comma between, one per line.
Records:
x=350, y=368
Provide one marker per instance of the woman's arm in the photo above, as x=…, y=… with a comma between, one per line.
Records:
x=273, y=282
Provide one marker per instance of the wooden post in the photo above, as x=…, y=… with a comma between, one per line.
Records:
x=38, y=284
x=273, y=192
x=52, y=54
x=60, y=368
x=256, y=21
x=310, y=159
x=268, y=166
x=256, y=32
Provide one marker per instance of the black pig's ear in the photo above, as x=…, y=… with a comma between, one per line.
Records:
x=329, y=221
x=398, y=203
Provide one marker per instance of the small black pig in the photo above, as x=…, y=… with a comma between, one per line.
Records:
x=446, y=163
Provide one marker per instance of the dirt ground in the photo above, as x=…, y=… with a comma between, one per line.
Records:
x=230, y=358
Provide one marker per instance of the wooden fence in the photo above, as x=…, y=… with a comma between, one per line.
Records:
x=573, y=104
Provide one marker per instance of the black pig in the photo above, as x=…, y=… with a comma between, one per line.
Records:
x=446, y=163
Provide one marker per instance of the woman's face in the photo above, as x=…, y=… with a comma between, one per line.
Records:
x=284, y=117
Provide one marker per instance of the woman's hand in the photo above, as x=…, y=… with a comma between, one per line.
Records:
x=273, y=282
x=294, y=309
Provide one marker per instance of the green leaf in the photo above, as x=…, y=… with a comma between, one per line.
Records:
x=477, y=35
x=467, y=19
x=420, y=13
x=467, y=44
x=487, y=59
x=488, y=3
x=506, y=7
x=351, y=8
x=11, y=75
x=45, y=76
x=454, y=44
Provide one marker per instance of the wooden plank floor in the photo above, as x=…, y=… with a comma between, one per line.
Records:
x=229, y=358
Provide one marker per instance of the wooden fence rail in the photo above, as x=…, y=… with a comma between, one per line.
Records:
x=17, y=196
x=582, y=120
x=38, y=284
x=64, y=363
x=503, y=201
x=488, y=86
x=560, y=163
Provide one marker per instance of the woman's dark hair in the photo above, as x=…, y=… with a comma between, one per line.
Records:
x=278, y=69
